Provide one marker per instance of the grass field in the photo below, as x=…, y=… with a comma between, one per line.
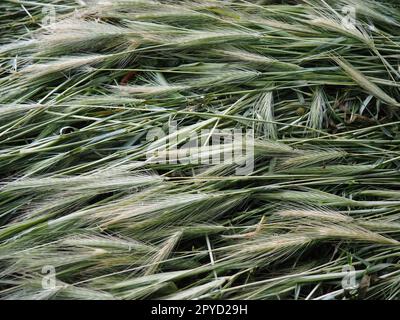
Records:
x=102, y=195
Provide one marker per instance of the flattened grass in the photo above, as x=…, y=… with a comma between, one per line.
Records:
x=79, y=192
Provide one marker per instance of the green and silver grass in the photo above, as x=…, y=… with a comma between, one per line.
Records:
x=86, y=213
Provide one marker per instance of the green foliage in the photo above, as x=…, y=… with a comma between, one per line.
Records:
x=78, y=192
